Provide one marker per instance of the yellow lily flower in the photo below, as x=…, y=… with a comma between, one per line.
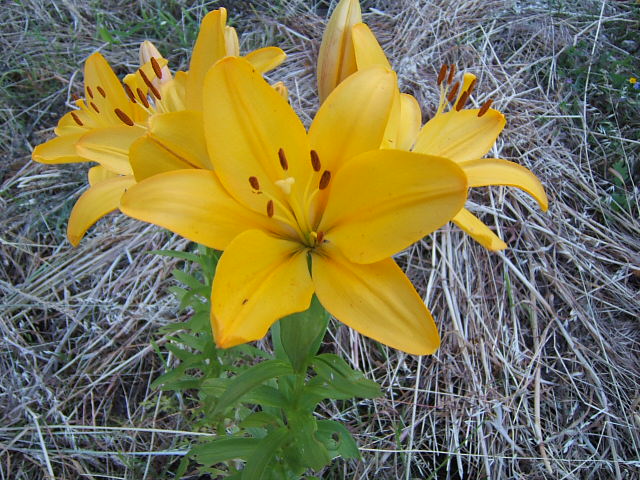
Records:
x=336, y=59
x=460, y=134
x=299, y=213
x=116, y=116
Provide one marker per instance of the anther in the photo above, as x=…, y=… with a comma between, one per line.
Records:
x=89, y=91
x=75, y=97
x=283, y=160
x=485, y=107
x=153, y=89
x=124, y=117
x=320, y=237
x=324, y=180
x=156, y=68
x=462, y=100
x=102, y=92
x=142, y=97
x=270, y=208
x=472, y=86
x=315, y=161
x=127, y=89
x=443, y=73
x=453, y=92
x=452, y=72
x=95, y=107
x=255, y=184
x=77, y=119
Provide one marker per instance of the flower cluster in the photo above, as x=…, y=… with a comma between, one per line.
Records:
x=217, y=155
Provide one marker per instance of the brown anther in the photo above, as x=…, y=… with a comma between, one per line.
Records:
x=76, y=119
x=153, y=89
x=127, y=89
x=454, y=92
x=443, y=73
x=472, y=86
x=255, y=184
x=270, y=208
x=142, y=97
x=452, y=72
x=320, y=238
x=102, y=92
x=324, y=180
x=461, y=101
x=124, y=117
x=283, y=160
x=75, y=97
x=485, y=107
x=156, y=68
x=89, y=91
x=315, y=161
x=95, y=107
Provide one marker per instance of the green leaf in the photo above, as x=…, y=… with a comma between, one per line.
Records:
x=311, y=452
x=250, y=379
x=222, y=449
x=337, y=373
x=260, y=419
x=301, y=334
x=344, y=445
x=258, y=463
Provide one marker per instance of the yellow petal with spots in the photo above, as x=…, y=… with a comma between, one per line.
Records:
x=377, y=300
x=104, y=90
x=383, y=201
x=259, y=280
x=101, y=199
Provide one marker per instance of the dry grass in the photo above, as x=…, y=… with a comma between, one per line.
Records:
x=537, y=376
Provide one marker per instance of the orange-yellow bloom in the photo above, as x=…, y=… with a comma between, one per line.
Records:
x=299, y=213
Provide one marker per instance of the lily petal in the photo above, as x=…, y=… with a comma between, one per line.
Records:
x=410, y=121
x=339, y=131
x=265, y=59
x=98, y=174
x=59, y=150
x=110, y=94
x=383, y=201
x=259, y=280
x=377, y=300
x=336, y=59
x=495, y=171
x=232, y=44
x=210, y=47
x=368, y=51
x=109, y=146
x=477, y=230
x=460, y=136
x=101, y=199
x=193, y=204
x=246, y=123
x=149, y=157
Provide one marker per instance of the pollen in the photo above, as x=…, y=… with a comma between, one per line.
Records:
x=129, y=93
x=315, y=161
x=443, y=73
x=142, y=97
x=324, y=180
x=472, y=86
x=283, y=160
x=124, y=117
x=153, y=89
x=452, y=72
x=453, y=92
x=102, y=92
x=270, y=208
x=76, y=119
x=485, y=107
x=320, y=237
x=462, y=100
x=156, y=67
x=255, y=184
x=286, y=184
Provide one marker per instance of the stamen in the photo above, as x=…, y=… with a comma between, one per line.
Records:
x=77, y=119
x=472, y=86
x=255, y=184
x=142, y=97
x=485, y=107
x=462, y=100
x=127, y=89
x=124, y=117
x=75, y=97
x=324, y=180
x=315, y=161
x=95, y=107
x=102, y=92
x=452, y=73
x=320, y=237
x=270, y=208
x=453, y=92
x=153, y=89
x=156, y=68
x=443, y=73
x=89, y=91
x=283, y=160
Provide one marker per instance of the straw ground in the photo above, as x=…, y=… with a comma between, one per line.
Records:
x=537, y=376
